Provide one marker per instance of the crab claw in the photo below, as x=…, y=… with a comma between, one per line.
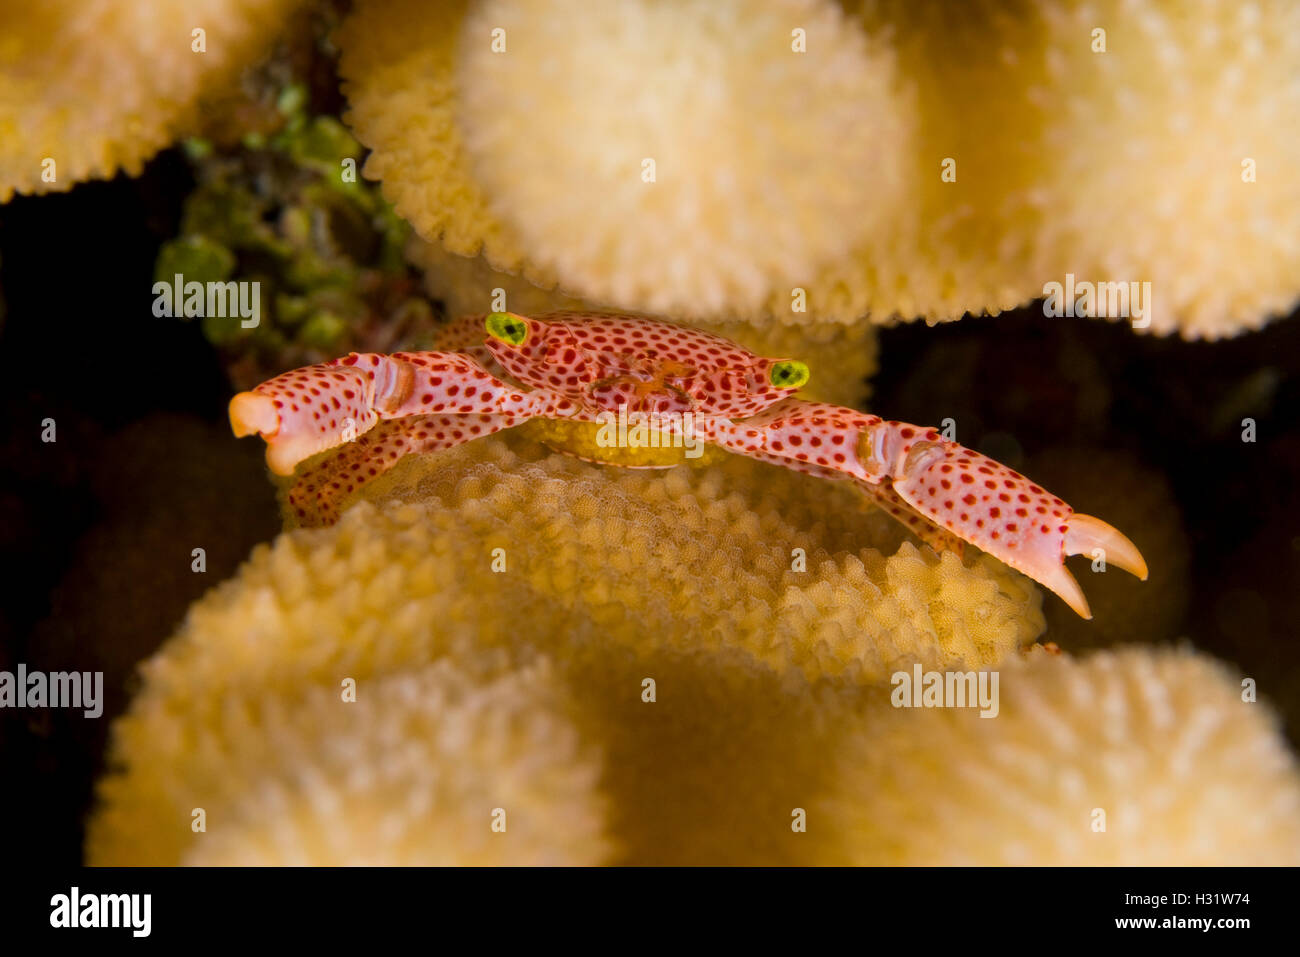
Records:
x=1086, y=533
x=252, y=412
x=307, y=410
x=1062, y=581
x=1002, y=512
x=1083, y=535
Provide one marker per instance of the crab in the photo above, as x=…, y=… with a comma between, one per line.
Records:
x=504, y=369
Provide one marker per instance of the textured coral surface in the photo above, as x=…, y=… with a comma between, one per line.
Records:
x=761, y=174
x=713, y=233
x=408, y=773
x=1181, y=139
x=684, y=576
x=100, y=85
x=695, y=701
x=503, y=654
x=1138, y=757
x=983, y=146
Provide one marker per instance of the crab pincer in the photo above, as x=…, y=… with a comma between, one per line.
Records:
x=1002, y=512
x=962, y=495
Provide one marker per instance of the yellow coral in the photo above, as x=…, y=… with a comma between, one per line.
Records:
x=767, y=162
x=425, y=767
x=1137, y=757
x=964, y=216
x=395, y=57
x=1120, y=163
x=1170, y=158
x=98, y=86
x=682, y=576
x=725, y=536
x=950, y=250
x=447, y=122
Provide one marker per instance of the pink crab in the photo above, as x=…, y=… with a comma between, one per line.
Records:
x=590, y=367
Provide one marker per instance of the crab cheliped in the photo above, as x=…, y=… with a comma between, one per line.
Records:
x=507, y=369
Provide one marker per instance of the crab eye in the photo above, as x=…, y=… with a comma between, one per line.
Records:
x=509, y=329
x=788, y=375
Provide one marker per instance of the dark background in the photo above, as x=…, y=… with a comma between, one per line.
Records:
x=97, y=528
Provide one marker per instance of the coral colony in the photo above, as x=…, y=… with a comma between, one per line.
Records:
x=558, y=320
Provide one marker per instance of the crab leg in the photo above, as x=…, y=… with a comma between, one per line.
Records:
x=317, y=493
x=465, y=335
x=309, y=410
x=955, y=488
x=753, y=446
x=937, y=537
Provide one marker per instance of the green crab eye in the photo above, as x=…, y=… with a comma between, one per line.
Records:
x=509, y=329
x=788, y=375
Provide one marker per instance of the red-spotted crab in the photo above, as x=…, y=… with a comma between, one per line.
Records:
x=578, y=367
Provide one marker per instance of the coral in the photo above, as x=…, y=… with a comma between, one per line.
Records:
x=446, y=134
x=683, y=576
x=396, y=64
x=1152, y=139
x=415, y=771
x=1185, y=771
x=446, y=120
x=724, y=536
x=666, y=666
x=950, y=250
x=101, y=85
x=410, y=772
x=237, y=713
x=1149, y=137
x=768, y=163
